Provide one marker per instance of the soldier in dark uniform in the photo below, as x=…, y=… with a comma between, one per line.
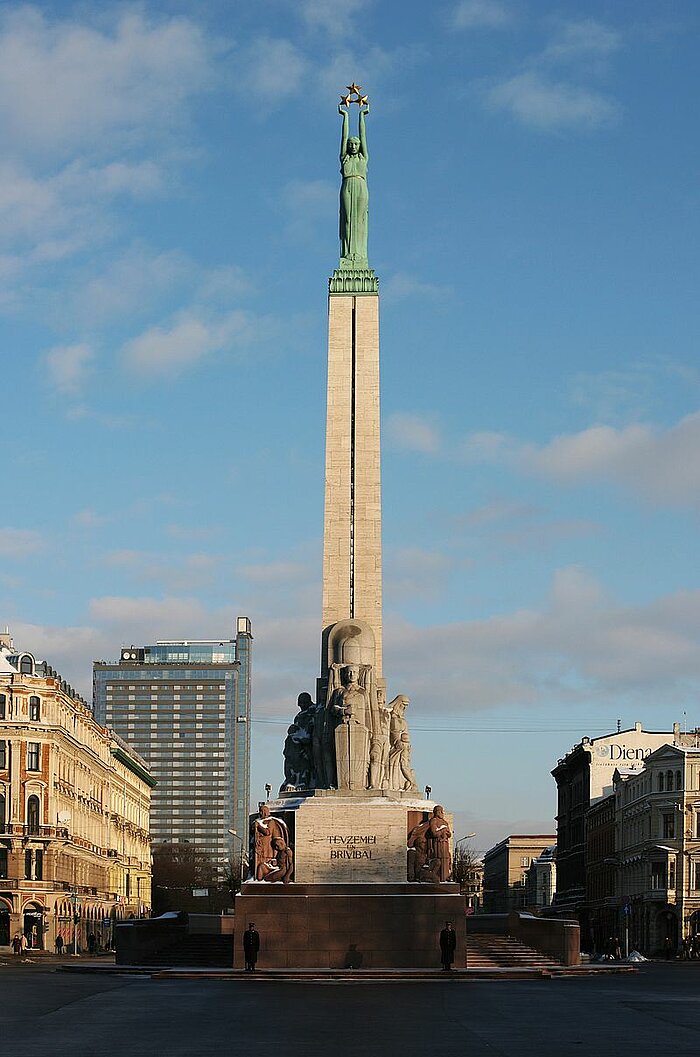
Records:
x=251, y=946
x=448, y=942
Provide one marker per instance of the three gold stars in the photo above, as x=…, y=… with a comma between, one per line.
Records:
x=354, y=96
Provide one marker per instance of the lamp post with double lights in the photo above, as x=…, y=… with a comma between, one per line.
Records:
x=243, y=857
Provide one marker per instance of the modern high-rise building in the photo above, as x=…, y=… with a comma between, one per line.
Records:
x=185, y=707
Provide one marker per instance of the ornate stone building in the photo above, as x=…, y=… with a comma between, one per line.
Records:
x=657, y=815
x=584, y=776
x=506, y=868
x=541, y=881
x=74, y=807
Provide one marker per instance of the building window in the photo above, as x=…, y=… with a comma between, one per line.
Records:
x=679, y=780
x=672, y=874
x=524, y=860
x=660, y=782
x=697, y=876
x=3, y=864
x=658, y=875
x=25, y=665
x=38, y=865
x=3, y=808
x=3, y=755
x=3, y=705
x=28, y=865
x=33, y=814
x=34, y=708
x=669, y=828
x=33, y=754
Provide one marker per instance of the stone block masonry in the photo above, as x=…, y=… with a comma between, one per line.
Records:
x=352, y=553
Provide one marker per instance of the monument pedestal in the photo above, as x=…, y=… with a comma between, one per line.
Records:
x=342, y=926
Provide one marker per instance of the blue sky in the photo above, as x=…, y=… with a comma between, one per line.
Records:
x=168, y=198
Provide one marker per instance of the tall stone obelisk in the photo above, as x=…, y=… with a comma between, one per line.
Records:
x=352, y=546
x=343, y=859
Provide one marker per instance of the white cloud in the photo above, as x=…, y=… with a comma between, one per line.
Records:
x=274, y=572
x=408, y=432
x=336, y=17
x=308, y=206
x=581, y=646
x=481, y=14
x=89, y=519
x=65, y=84
x=402, y=285
x=151, y=617
x=170, y=349
x=268, y=67
x=373, y=67
x=548, y=105
x=67, y=367
x=417, y=573
x=657, y=464
x=581, y=39
x=20, y=543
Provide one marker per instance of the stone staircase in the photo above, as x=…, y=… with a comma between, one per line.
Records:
x=485, y=951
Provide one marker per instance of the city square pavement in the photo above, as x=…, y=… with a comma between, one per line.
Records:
x=65, y=1015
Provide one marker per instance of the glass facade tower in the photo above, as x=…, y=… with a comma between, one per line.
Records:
x=185, y=707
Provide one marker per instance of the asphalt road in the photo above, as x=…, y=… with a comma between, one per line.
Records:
x=43, y=1012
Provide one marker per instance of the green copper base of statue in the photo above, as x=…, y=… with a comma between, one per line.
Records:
x=349, y=279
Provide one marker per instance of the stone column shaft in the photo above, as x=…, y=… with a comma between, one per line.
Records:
x=352, y=553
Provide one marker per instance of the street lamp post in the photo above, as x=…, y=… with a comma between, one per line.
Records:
x=234, y=833
x=76, y=918
x=467, y=836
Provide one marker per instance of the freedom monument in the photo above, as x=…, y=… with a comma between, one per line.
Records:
x=350, y=865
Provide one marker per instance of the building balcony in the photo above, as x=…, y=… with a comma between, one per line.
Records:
x=660, y=895
x=13, y=829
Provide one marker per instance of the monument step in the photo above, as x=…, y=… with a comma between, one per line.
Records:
x=338, y=888
x=484, y=951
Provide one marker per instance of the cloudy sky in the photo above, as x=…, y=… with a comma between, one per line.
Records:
x=168, y=221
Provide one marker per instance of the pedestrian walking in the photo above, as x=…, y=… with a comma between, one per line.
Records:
x=251, y=946
x=92, y=943
x=448, y=943
x=668, y=948
x=58, y=943
x=17, y=944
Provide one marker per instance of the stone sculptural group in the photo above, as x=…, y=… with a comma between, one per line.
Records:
x=274, y=858
x=353, y=740
x=429, y=855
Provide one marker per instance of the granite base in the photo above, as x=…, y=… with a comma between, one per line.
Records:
x=338, y=926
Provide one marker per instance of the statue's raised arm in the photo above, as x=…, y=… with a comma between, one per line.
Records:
x=363, y=134
x=344, y=133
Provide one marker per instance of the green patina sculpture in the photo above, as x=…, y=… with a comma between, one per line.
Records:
x=354, y=194
x=353, y=275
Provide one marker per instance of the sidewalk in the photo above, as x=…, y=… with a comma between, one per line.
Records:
x=49, y=960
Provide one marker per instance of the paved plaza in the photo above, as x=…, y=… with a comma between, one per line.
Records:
x=70, y=1015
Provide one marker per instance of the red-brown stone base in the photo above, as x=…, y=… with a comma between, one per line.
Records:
x=337, y=926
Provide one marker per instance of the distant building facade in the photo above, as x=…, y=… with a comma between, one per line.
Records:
x=75, y=853
x=473, y=888
x=658, y=847
x=584, y=776
x=541, y=880
x=185, y=707
x=506, y=868
x=602, y=896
